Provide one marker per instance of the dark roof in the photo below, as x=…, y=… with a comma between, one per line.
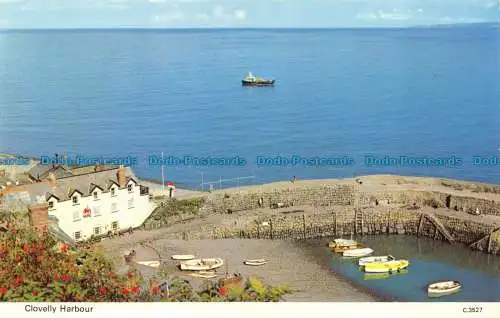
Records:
x=40, y=171
x=28, y=194
x=84, y=183
x=41, y=191
x=58, y=171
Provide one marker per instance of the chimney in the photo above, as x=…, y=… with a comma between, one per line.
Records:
x=52, y=180
x=39, y=217
x=120, y=176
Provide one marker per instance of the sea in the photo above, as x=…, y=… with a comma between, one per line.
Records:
x=429, y=261
x=347, y=102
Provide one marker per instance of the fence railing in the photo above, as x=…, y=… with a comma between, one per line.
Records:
x=224, y=182
x=204, y=185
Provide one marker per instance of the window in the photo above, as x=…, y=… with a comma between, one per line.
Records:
x=76, y=215
x=130, y=203
x=113, y=192
x=97, y=230
x=97, y=210
x=51, y=204
x=75, y=199
x=114, y=207
x=95, y=195
x=130, y=188
x=114, y=225
x=77, y=235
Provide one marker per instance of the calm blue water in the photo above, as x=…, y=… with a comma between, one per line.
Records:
x=424, y=92
x=430, y=261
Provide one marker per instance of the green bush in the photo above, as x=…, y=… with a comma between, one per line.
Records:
x=35, y=267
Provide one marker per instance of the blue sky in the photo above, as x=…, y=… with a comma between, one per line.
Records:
x=242, y=13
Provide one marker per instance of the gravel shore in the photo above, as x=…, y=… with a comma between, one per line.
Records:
x=300, y=266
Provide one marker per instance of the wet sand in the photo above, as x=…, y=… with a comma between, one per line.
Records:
x=301, y=266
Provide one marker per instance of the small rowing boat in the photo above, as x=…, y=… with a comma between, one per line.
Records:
x=342, y=249
x=202, y=264
x=204, y=274
x=183, y=257
x=443, y=288
x=154, y=264
x=342, y=242
x=255, y=262
x=372, y=259
x=357, y=252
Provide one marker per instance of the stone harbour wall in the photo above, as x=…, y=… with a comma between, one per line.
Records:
x=383, y=212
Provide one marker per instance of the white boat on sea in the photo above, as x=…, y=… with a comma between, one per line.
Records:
x=154, y=264
x=443, y=288
x=371, y=259
x=357, y=252
x=255, y=262
x=183, y=257
x=202, y=264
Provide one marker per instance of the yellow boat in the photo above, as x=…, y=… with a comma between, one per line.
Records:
x=341, y=242
x=373, y=276
x=386, y=267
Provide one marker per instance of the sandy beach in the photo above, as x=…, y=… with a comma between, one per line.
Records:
x=301, y=267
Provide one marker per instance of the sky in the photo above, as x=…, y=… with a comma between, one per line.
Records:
x=242, y=13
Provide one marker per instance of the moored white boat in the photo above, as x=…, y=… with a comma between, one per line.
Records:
x=255, y=262
x=372, y=259
x=443, y=288
x=202, y=264
x=183, y=257
x=357, y=252
x=154, y=264
x=386, y=267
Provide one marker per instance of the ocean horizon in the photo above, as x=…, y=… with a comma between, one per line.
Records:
x=422, y=92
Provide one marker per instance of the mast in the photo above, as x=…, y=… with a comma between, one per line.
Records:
x=162, y=176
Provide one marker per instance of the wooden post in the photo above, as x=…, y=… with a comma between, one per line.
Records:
x=304, y=226
x=421, y=223
x=258, y=231
x=490, y=241
x=271, y=228
x=335, y=221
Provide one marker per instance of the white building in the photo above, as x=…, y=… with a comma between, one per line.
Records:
x=92, y=204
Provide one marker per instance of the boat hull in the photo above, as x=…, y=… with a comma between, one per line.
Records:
x=201, y=264
x=258, y=83
x=341, y=242
x=446, y=288
x=154, y=264
x=386, y=267
x=374, y=259
x=375, y=276
x=357, y=252
x=254, y=263
x=205, y=275
x=342, y=249
x=183, y=257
